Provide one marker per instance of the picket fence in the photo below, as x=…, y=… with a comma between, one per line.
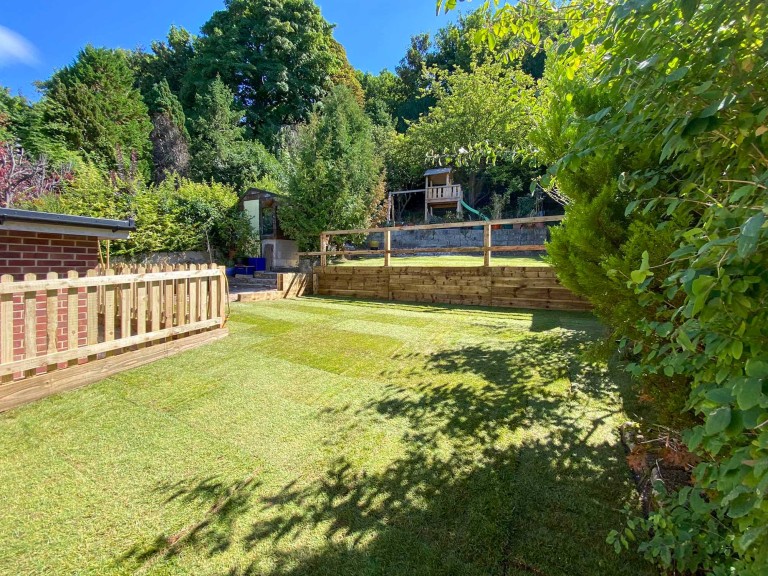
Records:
x=124, y=317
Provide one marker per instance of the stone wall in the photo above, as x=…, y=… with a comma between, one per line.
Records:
x=463, y=237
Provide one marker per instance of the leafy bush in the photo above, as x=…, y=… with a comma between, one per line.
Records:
x=176, y=215
x=655, y=120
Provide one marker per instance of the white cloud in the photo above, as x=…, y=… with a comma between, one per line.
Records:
x=15, y=49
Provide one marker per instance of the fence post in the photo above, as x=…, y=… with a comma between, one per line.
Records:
x=30, y=323
x=387, y=247
x=73, y=313
x=323, y=249
x=6, y=325
x=487, y=245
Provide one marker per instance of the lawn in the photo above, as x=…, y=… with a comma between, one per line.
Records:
x=445, y=260
x=328, y=437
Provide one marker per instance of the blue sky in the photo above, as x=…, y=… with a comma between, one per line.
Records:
x=40, y=36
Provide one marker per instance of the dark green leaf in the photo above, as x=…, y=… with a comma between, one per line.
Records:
x=718, y=420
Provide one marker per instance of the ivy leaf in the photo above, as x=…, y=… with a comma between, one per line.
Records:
x=718, y=420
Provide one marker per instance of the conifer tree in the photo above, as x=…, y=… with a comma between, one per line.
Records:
x=95, y=108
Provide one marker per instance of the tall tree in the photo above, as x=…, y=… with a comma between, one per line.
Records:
x=501, y=97
x=170, y=139
x=169, y=61
x=275, y=56
x=344, y=73
x=336, y=180
x=220, y=151
x=95, y=108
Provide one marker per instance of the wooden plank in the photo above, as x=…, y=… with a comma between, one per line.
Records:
x=30, y=324
x=52, y=309
x=214, y=295
x=92, y=320
x=387, y=247
x=141, y=306
x=154, y=302
x=103, y=280
x=104, y=347
x=6, y=325
x=223, y=296
x=323, y=250
x=487, y=245
x=109, y=310
x=126, y=311
x=203, y=296
x=181, y=301
x=168, y=299
x=193, y=302
x=73, y=313
x=22, y=392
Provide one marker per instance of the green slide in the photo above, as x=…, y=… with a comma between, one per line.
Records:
x=469, y=208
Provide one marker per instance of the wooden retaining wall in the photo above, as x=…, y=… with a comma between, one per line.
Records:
x=517, y=287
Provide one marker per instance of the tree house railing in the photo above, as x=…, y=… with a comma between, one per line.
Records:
x=450, y=193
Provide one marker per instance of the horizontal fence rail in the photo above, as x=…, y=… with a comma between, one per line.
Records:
x=487, y=249
x=50, y=324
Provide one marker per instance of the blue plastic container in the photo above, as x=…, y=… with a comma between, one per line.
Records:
x=259, y=263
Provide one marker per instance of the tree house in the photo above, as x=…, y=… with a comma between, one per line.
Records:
x=439, y=192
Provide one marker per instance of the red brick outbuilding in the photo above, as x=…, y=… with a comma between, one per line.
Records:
x=41, y=242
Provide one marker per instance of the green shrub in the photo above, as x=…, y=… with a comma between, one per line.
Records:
x=176, y=215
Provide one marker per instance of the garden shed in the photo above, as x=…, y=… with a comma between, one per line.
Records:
x=279, y=251
x=42, y=242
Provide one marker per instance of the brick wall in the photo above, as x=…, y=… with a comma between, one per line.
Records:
x=39, y=253
x=25, y=252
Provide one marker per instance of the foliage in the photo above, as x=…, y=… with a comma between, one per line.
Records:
x=220, y=152
x=170, y=138
x=691, y=177
x=169, y=61
x=12, y=109
x=502, y=97
x=336, y=179
x=173, y=216
x=344, y=74
x=275, y=56
x=23, y=178
x=93, y=106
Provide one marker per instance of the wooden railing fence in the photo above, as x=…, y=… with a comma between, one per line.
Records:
x=487, y=248
x=50, y=323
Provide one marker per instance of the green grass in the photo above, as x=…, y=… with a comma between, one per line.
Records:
x=464, y=260
x=327, y=437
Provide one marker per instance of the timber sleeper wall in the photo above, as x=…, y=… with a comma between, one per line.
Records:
x=534, y=287
x=61, y=333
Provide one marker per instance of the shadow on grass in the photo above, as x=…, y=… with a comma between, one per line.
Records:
x=221, y=505
x=508, y=468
